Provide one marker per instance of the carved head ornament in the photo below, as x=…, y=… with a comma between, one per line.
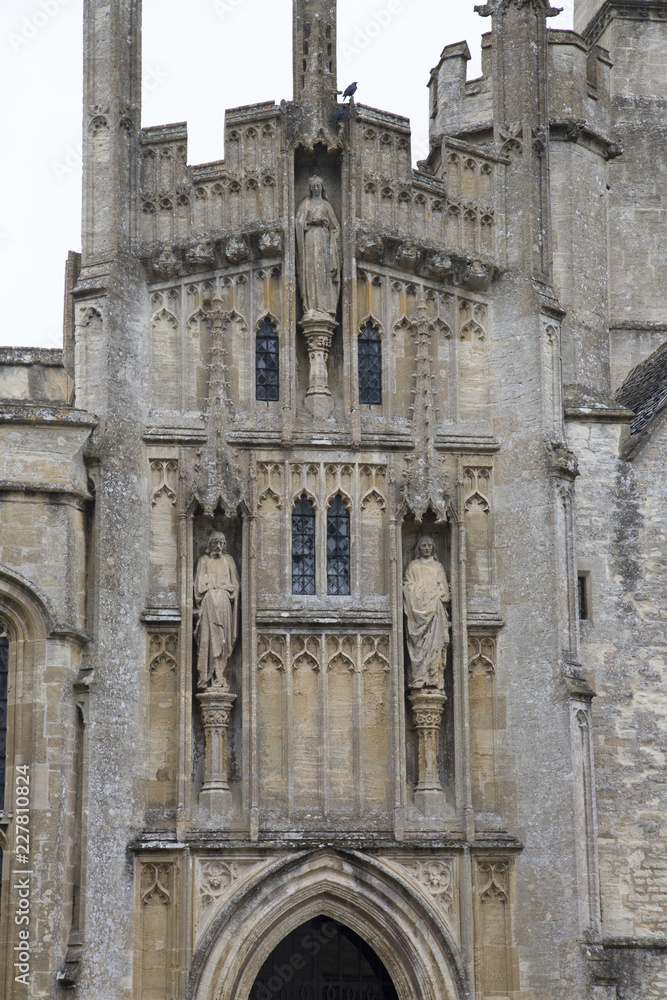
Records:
x=314, y=181
x=216, y=540
x=429, y=540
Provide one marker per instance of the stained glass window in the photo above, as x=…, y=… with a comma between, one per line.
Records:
x=370, y=366
x=4, y=674
x=338, y=548
x=303, y=547
x=267, y=363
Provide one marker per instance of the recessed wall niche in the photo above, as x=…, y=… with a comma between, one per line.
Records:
x=230, y=525
x=440, y=533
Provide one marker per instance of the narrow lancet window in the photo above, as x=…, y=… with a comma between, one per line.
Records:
x=303, y=547
x=370, y=366
x=267, y=363
x=4, y=675
x=338, y=548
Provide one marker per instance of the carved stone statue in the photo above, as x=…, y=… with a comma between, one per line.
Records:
x=318, y=253
x=425, y=594
x=217, y=589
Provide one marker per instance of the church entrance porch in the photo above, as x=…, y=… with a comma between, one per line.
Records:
x=327, y=925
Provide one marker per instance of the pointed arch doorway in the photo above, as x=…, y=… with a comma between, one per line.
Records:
x=323, y=959
x=366, y=895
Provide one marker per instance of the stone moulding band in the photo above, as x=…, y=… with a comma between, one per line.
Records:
x=629, y=10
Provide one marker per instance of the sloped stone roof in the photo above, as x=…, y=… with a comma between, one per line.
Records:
x=645, y=390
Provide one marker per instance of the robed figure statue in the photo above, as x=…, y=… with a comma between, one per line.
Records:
x=318, y=253
x=217, y=589
x=425, y=594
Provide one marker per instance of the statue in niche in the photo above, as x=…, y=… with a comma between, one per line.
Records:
x=425, y=595
x=318, y=253
x=217, y=590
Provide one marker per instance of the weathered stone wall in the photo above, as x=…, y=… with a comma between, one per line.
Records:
x=584, y=12
x=638, y=190
x=200, y=824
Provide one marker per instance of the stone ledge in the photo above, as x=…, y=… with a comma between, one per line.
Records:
x=641, y=944
x=46, y=356
x=37, y=413
x=349, y=619
x=49, y=489
x=175, y=435
x=272, y=840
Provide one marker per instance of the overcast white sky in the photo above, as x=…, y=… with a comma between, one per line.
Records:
x=200, y=57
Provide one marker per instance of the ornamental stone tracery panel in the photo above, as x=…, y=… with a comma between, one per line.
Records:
x=325, y=724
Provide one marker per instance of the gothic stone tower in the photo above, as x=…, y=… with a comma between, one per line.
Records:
x=325, y=530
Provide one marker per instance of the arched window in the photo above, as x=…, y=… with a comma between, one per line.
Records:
x=338, y=548
x=303, y=547
x=267, y=363
x=370, y=366
x=4, y=676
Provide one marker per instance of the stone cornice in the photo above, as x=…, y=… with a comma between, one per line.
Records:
x=493, y=7
x=580, y=132
x=629, y=10
x=206, y=840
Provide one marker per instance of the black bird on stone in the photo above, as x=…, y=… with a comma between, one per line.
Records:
x=351, y=90
x=340, y=116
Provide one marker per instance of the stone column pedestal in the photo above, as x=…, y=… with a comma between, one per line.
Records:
x=318, y=332
x=216, y=709
x=427, y=708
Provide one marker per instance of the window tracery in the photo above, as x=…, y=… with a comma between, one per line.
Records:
x=338, y=548
x=303, y=547
x=267, y=363
x=370, y=366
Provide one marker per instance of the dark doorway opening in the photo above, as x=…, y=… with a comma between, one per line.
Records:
x=323, y=960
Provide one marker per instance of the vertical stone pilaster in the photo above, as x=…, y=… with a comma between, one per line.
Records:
x=521, y=126
x=314, y=41
x=111, y=124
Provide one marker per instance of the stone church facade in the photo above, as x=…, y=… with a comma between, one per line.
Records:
x=333, y=545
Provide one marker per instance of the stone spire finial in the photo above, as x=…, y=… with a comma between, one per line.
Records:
x=314, y=52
